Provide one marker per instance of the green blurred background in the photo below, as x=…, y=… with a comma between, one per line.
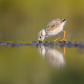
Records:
x=22, y=19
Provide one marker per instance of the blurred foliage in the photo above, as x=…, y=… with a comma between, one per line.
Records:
x=22, y=19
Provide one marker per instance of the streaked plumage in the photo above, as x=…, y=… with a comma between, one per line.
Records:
x=53, y=25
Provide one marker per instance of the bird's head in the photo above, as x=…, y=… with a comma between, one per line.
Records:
x=41, y=35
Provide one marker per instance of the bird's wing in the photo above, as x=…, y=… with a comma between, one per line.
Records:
x=53, y=25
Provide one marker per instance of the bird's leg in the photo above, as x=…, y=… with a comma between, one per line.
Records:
x=57, y=38
x=64, y=36
x=64, y=50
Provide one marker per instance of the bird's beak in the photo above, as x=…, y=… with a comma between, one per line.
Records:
x=40, y=41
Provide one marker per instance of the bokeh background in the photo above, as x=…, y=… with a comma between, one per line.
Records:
x=22, y=20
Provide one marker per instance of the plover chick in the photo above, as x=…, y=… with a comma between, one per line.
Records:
x=53, y=28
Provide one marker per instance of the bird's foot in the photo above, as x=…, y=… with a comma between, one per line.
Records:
x=62, y=41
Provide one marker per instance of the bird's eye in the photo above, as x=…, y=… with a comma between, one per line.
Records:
x=40, y=37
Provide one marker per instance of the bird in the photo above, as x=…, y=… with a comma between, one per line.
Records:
x=53, y=28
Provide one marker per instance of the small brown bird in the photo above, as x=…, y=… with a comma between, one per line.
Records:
x=53, y=28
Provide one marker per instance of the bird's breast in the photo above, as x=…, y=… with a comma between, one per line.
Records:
x=54, y=32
